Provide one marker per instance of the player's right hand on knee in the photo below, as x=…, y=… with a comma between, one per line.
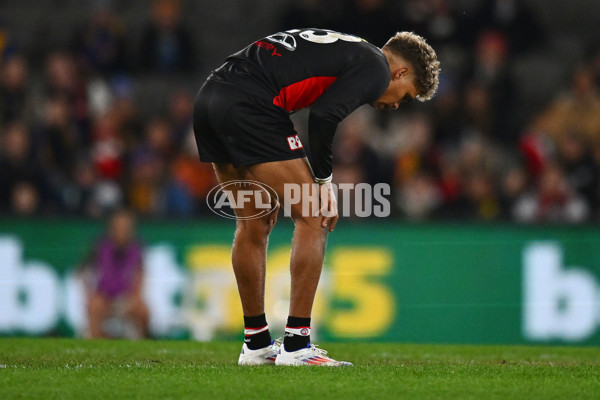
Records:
x=328, y=209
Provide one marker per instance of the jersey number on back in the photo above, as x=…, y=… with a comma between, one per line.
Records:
x=324, y=37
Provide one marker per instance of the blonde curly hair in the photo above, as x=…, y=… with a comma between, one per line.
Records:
x=414, y=49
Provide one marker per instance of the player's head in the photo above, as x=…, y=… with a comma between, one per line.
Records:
x=415, y=70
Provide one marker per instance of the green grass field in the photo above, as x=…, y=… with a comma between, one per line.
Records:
x=66, y=369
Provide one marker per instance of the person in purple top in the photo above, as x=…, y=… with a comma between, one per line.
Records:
x=116, y=287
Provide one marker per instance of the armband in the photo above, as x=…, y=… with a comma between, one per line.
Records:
x=322, y=181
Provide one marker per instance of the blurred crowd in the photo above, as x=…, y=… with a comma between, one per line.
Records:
x=73, y=141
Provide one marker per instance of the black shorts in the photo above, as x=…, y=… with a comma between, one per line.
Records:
x=235, y=127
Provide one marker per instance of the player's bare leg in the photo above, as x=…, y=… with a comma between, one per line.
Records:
x=249, y=257
x=249, y=253
x=308, y=244
x=306, y=262
x=308, y=250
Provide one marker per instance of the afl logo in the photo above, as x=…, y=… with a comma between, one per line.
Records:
x=304, y=331
x=226, y=198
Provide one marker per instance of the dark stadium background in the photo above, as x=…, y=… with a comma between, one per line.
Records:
x=95, y=113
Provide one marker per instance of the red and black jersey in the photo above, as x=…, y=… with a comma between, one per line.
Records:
x=330, y=72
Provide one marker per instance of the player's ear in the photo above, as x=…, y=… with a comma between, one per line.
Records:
x=399, y=73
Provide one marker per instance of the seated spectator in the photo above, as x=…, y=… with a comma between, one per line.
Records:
x=480, y=197
x=552, y=201
x=166, y=44
x=13, y=89
x=117, y=275
x=419, y=197
x=191, y=180
x=582, y=173
x=58, y=139
x=446, y=114
x=25, y=200
x=181, y=106
x=20, y=172
x=148, y=166
x=107, y=147
x=489, y=85
x=513, y=185
x=101, y=43
x=576, y=111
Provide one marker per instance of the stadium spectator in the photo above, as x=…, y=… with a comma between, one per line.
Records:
x=85, y=184
x=115, y=287
x=14, y=96
x=25, y=200
x=576, y=111
x=489, y=84
x=21, y=179
x=166, y=43
x=63, y=81
x=57, y=137
x=451, y=186
x=107, y=149
x=418, y=154
x=101, y=44
x=446, y=114
x=126, y=111
x=180, y=106
x=513, y=185
x=191, y=180
x=416, y=172
x=352, y=152
x=552, y=201
x=480, y=198
x=582, y=174
x=148, y=169
x=419, y=197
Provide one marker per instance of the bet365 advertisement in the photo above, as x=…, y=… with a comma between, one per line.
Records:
x=381, y=282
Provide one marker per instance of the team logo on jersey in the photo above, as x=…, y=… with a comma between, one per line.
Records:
x=294, y=142
x=285, y=39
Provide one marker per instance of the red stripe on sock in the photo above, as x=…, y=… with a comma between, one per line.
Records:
x=255, y=329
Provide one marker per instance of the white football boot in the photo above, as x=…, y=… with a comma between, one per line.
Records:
x=311, y=355
x=264, y=356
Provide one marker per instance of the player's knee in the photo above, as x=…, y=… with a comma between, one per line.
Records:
x=308, y=221
x=256, y=229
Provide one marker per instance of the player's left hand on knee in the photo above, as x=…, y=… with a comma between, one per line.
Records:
x=328, y=209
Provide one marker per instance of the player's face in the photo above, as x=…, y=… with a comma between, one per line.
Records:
x=401, y=90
